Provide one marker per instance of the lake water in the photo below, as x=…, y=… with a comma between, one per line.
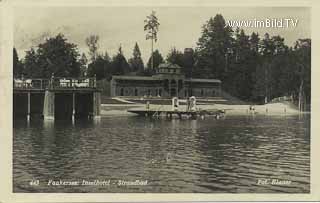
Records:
x=229, y=155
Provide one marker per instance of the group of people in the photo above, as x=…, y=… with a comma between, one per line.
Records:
x=191, y=104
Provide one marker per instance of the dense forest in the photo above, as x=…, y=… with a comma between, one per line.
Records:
x=251, y=67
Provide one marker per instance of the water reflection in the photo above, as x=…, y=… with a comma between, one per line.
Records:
x=225, y=155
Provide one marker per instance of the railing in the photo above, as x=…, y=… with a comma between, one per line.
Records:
x=281, y=99
x=156, y=113
x=54, y=83
x=34, y=83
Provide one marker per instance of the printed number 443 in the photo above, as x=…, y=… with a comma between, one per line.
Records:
x=34, y=182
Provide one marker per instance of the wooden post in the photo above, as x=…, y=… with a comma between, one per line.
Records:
x=48, y=105
x=96, y=105
x=169, y=88
x=28, y=115
x=177, y=88
x=73, y=106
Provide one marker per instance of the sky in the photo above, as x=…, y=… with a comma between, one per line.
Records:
x=180, y=27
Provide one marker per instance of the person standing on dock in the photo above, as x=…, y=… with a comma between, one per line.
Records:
x=192, y=105
x=175, y=104
x=252, y=109
x=148, y=105
x=188, y=104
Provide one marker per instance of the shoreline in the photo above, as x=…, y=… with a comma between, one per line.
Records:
x=231, y=109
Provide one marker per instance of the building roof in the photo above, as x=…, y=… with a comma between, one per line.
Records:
x=203, y=80
x=169, y=65
x=131, y=77
x=152, y=78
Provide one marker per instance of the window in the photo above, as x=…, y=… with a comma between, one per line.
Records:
x=213, y=93
x=201, y=92
x=136, y=92
x=121, y=92
x=160, y=92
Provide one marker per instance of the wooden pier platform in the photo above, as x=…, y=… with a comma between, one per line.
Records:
x=178, y=113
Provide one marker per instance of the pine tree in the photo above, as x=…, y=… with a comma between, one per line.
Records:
x=213, y=46
x=83, y=64
x=92, y=43
x=120, y=65
x=175, y=57
x=31, y=65
x=302, y=54
x=100, y=67
x=136, y=62
x=254, y=42
x=152, y=28
x=17, y=65
x=157, y=60
x=188, y=59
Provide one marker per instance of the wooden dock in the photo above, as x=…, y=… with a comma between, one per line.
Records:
x=178, y=113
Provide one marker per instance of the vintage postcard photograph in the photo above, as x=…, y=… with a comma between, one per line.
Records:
x=161, y=99
x=183, y=100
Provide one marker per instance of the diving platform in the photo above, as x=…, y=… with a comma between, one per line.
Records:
x=56, y=98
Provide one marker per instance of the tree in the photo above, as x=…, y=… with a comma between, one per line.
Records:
x=98, y=68
x=54, y=56
x=274, y=66
x=17, y=65
x=238, y=79
x=254, y=42
x=261, y=84
x=136, y=62
x=152, y=27
x=120, y=65
x=101, y=67
x=254, y=69
x=212, y=47
x=175, y=57
x=278, y=44
x=92, y=43
x=302, y=53
x=31, y=64
x=263, y=75
x=188, y=58
x=157, y=60
x=106, y=56
x=83, y=64
x=108, y=66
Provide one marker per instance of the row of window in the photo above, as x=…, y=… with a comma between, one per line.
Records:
x=125, y=92
x=202, y=93
x=168, y=70
x=158, y=92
